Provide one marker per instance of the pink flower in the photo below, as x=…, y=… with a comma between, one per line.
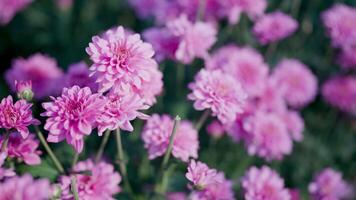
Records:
x=297, y=83
x=340, y=92
x=41, y=70
x=340, y=21
x=145, y=8
x=25, y=188
x=176, y=196
x=16, y=115
x=294, y=123
x=328, y=184
x=219, y=92
x=120, y=59
x=78, y=74
x=272, y=97
x=215, y=129
x=156, y=135
x=201, y=175
x=222, y=57
x=24, y=90
x=264, y=184
x=23, y=149
x=5, y=173
x=101, y=184
x=9, y=8
x=73, y=115
x=234, y=8
x=268, y=136
x=273, y=27
x=347, y=58
x=295, y=194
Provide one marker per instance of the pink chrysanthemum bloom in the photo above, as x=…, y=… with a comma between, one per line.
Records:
x=43, y=72
x=202, y=176
x=215, y=129
x=294, y=123
x=219, y=92
x=9, y=8
x=264, y=184
x=78, y=74
x=101, y=184
x=25, y=188
x=271, y=98
x=329, y=185
x=268, y=136
x=340, y=21
x=296, y=81
x=340, y=92
x=5, y=173
x=234, y=8
x=221, y=57
x=273, y=27
x=194, y=39
x=156, y=135
x=347, y=58
x=120, y=59
x=23, y=149
x=73, y=115
x=16, y=116
x=152, y=88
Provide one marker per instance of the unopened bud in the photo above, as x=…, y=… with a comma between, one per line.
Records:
x=24, y=90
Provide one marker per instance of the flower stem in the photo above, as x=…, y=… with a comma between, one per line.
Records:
x=122, y=166
x=202, y=120
x=49, y=150
x=104, y=141
x=5, y=141
x=75, y=159
x=74, y=187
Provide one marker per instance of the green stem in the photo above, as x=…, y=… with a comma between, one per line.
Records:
x=74, y=187
x=49, y=150
x=5, y=141
x=75, y=159
x=104, y=141
x=122, y=166
x=295, y=8
x=202, y=120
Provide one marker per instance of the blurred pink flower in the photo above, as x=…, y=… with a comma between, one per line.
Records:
x=25, y=188
x=215, y=129
x=271, y=98
x=340, y=92
x=9, y=8
x=328, y=184
x=234, y=8
x=176, y=196
x=202, y=176
x=120, y=59
x=16, y=115
x=73, y=115
x=152, y=88
x=41, y=70
x=4, y=172
x=146, y=8
x=264, y=184
x=296, y=81
x=24, y=90
x=219, y=92
x=294, y=123
x=222, y=57
x=156, y=135
x=23, y=149
x=273, y=27
x=347, y=58
x=340, y=21
x=295, y=194
x=101, y=184
x=78, y=74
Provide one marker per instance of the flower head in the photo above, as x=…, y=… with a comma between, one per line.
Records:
x=253, y=8
x=73, y=115
x=156, y=135
x=17, y=116
x=24, y=90
x=347, y=58
x=78, y=74
x=9, y=8
x=215, y=129
x=4, y=172
x=264, y=184
x=201, y=175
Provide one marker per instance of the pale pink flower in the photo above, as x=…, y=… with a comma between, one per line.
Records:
x=215, y=129
x=222, y=57
x=16, y=116
x=234, y=8
x=296, y=81
x=340, y=92
x=78, y=74
x=23, y=149
x=271, y=98
x=152, y=88
x=120, y=59
x=156, y=136
x=329, y=185
x=9, y=8
x=25, y=188
x=41, y=70
x=101, y=184
x=347, y=58
x=273, y=27
x=294, y=123
x=202, y=176
x=73, y=115
x=219, y=92
x=264, y=184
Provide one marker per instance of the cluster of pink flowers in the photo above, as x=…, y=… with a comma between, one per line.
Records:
x=156, y=136
x=9, y=8
x=182, y=40
x=102, y=183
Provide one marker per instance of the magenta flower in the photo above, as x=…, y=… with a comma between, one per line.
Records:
x=102, y=184
x=297, y=83
x=219, y=92
x=23, y=149
x=16, y=116
x=273, y=27
x=73, y=115
x=41, y=70
x=328, y=184
x=340, y=92
x=156, y=135
x=215, y=129
x=78, y=74
x=25, y=188
x=264, y=184
x=120, y=59
x=295, y=194
x=347, y=58
x=9, y=8
x=202, y=176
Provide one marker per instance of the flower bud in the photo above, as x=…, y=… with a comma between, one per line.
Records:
x=24, y=90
